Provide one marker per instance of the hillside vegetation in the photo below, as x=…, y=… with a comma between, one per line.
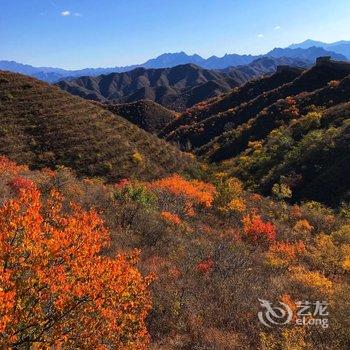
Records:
x=292, y=108
x=209, y=249
x=306, y=152
x=112, y=238
x=235, y=97
x=42, y=126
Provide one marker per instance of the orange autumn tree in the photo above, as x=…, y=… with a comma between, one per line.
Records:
x=56, y=288
x=197, y=191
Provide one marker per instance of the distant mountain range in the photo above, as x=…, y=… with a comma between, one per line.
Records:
x=176, y=88
x=308, y=50
x=309, y=54
x=341, y=47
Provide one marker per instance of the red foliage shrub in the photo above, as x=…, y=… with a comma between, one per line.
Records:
x=21, y=183
x=255, y=229
x=291, y=101
x=122, y=183
x=206, y=265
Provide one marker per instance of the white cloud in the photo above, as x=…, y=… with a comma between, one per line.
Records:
x=65, y=13
x=260, y=35
x=77, y=14
x=277, y=27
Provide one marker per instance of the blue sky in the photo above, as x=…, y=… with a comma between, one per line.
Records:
x=99, y=33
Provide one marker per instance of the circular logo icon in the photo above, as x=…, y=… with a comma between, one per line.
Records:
x=274, y=315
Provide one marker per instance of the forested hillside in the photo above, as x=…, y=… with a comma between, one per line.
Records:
x=290, y=128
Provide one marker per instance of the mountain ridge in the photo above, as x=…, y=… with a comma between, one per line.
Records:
x=166, y=60
x=341, y=47
x=175, y=88
x=207, y=122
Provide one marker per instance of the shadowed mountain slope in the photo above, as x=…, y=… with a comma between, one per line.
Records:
x=146, y=114
x=41, y=125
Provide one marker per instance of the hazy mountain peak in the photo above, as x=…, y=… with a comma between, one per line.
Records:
x=341, y=47
x=310, y=54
